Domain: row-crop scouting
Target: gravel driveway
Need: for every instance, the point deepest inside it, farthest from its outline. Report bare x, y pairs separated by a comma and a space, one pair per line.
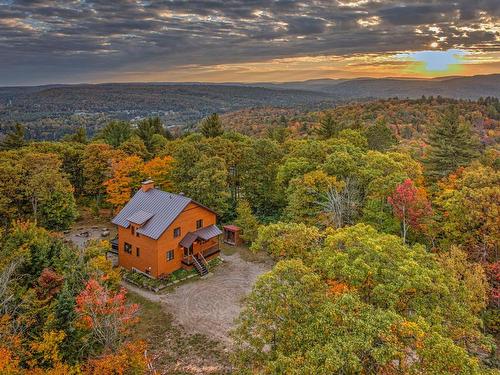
209, 305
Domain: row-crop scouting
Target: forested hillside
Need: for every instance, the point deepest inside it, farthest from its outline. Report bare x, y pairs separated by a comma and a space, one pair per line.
382, 219
52, 112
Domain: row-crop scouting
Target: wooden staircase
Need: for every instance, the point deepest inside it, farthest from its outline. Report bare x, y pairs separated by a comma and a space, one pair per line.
200, 264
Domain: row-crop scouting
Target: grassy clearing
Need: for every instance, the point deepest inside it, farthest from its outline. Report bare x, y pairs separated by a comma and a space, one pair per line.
172, 350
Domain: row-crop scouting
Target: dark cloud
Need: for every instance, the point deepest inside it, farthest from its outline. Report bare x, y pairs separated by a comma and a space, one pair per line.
72, 40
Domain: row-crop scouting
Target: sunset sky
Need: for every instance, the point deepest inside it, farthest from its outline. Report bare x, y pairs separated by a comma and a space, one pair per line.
244, 40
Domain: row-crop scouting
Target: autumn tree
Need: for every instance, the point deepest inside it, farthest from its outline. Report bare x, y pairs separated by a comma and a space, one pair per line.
287, 240
159, 169
452, 144
97, 168
211, 126
246, 221
105, 314
127, 176
467, 205
410, 206
303, 194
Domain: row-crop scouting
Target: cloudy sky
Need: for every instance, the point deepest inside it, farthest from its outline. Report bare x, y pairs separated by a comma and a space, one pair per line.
48, 41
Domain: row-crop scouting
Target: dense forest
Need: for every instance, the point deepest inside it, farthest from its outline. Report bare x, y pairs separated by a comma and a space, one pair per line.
382, 219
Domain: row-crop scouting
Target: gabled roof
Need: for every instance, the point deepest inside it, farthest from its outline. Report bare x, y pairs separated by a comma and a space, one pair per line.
204, 233
163, 208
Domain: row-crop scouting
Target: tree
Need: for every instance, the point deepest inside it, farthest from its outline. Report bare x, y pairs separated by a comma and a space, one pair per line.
303, 194
467, 205
246, 221
295, 322
150, 130
209, 184
328, 126
340, 204
14, 139
410, 206
127, 176
116, 132
105, 314
97, 163
79, 136
452, 144
288, 240
159, 170
135, 146
211, 126
49, 192
380, 137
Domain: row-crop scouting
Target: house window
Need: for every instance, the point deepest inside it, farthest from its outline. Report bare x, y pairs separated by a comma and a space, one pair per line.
199, 224
127, 248
170, 255
137, 251
177, 232
132, 229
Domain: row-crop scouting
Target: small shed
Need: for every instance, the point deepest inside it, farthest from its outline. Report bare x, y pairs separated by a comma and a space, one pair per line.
231, 235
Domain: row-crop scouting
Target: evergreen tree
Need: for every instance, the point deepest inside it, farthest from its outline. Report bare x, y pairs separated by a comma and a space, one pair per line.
452, 144
147, 129
15, 138
328, 127
380, 137
246, 221
115, 133
211, 126
80, 136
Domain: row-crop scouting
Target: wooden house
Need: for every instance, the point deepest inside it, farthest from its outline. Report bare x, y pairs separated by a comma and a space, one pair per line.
161, 232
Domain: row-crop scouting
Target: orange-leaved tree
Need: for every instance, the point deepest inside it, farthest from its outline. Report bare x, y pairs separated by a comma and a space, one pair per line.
105, 314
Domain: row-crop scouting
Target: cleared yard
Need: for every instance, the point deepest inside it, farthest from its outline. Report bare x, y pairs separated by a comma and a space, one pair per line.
209, 305
187, 327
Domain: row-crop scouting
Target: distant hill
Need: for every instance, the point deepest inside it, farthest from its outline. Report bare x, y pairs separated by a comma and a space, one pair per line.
53, 111
452, 87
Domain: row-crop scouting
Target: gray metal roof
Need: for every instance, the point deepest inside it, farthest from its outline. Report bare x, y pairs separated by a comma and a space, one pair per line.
140, 217
204, 233
163, 206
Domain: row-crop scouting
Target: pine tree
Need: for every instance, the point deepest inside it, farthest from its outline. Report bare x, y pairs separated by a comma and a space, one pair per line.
328, 127
452, 144
147, 129
211, 126
15, 138
246, 221
380, 137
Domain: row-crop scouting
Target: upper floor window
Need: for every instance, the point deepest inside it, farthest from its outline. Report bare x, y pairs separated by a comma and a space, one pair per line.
132, 229
137, 251
170, 255
127, 247
199, 223
177, 232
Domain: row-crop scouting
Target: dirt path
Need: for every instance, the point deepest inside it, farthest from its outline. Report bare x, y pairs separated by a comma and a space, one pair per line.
209, 306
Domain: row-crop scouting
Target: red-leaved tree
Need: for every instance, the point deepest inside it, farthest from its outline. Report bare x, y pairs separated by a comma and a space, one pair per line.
105, 314
410, 205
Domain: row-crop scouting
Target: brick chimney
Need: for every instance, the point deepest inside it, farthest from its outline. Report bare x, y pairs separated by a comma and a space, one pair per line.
147, 185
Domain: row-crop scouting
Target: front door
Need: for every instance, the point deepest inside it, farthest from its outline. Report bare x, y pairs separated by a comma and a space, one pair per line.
188, 251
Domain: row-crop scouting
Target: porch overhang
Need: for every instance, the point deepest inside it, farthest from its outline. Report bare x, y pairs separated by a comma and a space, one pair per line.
205, 234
